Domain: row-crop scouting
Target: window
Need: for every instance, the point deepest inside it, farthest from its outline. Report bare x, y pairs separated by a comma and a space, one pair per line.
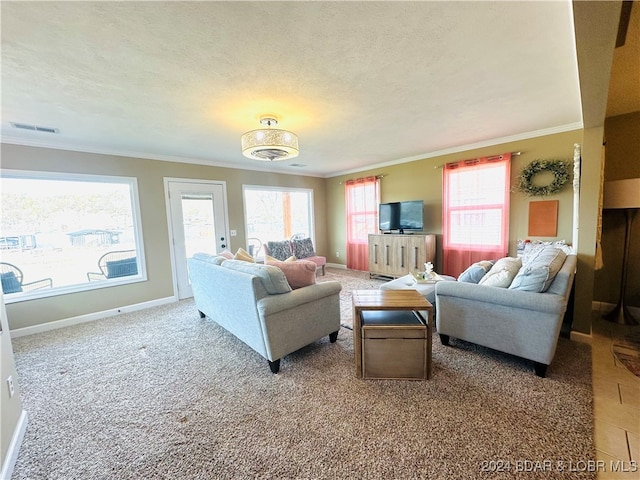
63, 233
362, 198
276, 213
475, 211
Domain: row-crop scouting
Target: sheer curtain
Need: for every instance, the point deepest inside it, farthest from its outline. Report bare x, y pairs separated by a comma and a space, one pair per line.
475, 217
362, 198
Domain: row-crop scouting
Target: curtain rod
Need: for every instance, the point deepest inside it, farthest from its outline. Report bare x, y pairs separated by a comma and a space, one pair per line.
349, 179
513, 154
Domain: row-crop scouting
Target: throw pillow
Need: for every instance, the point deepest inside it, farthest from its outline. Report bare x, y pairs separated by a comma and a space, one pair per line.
226, 254
540, 270
502, 273
475, 272
243, 255
269, 258
10, 283
272, 278
299, 274
303, 248
280, 250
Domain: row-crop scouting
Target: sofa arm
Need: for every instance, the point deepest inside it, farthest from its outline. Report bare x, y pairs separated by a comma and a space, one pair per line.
541, 302
276, 303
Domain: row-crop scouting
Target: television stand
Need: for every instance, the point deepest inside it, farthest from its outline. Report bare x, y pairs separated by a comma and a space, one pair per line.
395, 255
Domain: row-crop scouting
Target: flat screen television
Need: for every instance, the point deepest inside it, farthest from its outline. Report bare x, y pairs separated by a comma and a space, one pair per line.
401, 216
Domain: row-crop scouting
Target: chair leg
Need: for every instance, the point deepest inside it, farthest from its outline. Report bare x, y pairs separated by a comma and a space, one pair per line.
333, 337
274, 366
540, 368
202, 315
444, 339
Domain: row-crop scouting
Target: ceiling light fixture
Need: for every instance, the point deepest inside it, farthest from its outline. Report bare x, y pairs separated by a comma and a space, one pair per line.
269, 144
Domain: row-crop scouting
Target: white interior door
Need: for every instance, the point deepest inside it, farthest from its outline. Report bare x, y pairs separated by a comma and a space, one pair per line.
197, 223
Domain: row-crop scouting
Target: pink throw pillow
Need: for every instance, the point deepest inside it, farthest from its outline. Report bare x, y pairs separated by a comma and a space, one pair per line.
299, 274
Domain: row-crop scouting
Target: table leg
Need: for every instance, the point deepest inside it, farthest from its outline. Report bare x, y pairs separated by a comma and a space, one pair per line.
357, 340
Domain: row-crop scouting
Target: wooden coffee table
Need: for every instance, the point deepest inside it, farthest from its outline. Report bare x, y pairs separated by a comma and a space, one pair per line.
389, 300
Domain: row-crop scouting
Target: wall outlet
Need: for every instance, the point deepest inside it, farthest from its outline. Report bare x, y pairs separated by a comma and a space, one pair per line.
10, 385
337, 254
233, 233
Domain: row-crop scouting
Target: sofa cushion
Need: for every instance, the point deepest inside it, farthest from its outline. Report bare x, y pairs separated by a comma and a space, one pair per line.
303, 248
243, 255
301, 273
272, 278
502, 273
540, 270
475, 272
280, 250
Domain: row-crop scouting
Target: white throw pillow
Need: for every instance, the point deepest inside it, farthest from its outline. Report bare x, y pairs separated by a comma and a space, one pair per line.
502, 273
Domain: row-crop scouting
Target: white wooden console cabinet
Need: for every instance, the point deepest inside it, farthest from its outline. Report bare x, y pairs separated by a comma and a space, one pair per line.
396, 255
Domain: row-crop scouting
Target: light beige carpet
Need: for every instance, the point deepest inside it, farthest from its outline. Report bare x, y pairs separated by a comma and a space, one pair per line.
165, 394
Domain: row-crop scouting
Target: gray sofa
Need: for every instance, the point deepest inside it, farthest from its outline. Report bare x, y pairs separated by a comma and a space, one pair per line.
255, 303
522, 323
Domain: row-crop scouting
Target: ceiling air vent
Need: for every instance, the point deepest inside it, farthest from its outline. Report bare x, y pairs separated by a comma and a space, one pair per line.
297, 165
34, 128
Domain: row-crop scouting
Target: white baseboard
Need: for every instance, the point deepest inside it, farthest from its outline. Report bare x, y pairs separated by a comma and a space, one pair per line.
90, 317
14, 446
337, 265
580, 337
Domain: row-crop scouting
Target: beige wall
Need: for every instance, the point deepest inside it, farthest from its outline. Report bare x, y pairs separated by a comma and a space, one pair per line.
622, 161
416, 180
423, 180
10, 407
150, 175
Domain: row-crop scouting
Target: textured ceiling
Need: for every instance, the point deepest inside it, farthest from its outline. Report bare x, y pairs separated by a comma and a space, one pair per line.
361, 83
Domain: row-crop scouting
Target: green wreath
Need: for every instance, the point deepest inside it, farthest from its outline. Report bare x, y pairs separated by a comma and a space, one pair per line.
559, 168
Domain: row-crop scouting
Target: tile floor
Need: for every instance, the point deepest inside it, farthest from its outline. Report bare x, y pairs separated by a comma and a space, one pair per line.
616, 405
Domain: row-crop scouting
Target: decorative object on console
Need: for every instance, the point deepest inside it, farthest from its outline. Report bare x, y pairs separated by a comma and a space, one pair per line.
269, 144
560, 170
623, 195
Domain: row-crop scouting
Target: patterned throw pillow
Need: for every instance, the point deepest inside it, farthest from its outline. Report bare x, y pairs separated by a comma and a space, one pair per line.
279, 250
303, 248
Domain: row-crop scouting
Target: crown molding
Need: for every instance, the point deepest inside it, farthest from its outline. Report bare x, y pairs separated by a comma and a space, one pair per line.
463, 148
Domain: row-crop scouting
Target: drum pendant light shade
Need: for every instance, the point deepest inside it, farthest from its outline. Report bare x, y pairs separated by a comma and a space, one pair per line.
269, 144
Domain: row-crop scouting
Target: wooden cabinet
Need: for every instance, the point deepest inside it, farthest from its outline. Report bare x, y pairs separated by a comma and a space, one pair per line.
397, 255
